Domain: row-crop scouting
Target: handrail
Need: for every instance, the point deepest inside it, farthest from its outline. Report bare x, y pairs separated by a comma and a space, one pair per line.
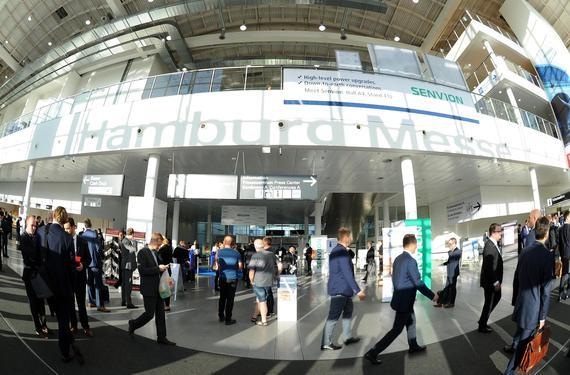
258, 77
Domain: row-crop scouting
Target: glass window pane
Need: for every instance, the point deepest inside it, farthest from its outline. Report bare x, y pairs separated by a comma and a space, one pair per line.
201, 81
147, 88
263, 79
228, 79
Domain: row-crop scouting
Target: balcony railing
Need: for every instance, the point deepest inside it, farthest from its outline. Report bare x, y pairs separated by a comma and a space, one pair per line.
488, 68
217, 80
462, 25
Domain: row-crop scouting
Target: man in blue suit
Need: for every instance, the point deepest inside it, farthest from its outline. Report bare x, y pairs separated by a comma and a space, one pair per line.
95, 270
341, 287
534, 271
407, 281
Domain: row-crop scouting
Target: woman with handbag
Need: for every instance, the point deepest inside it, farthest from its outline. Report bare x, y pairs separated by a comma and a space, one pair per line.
29, 246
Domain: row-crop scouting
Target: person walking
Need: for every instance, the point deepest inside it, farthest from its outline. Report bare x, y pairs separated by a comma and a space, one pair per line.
370, 261
95, 269
29, 246
60, 264
341, 288
262, 272
128, 247
229, 261
165, 258
82, 261
407, 281
308, 252
492, 275
534, 271
150, 271
447, 298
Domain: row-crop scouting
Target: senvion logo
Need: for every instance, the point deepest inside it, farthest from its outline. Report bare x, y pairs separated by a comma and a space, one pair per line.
437, 95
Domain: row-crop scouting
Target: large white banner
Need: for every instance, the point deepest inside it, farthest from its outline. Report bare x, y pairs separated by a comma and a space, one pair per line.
396, 99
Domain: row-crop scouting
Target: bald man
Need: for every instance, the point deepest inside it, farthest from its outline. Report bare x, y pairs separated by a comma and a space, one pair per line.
229, 261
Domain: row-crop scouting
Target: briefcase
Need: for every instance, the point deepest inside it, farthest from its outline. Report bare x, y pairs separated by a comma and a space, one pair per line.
535, 350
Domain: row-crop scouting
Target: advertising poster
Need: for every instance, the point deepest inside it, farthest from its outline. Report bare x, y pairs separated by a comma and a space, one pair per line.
319, 245
287, 299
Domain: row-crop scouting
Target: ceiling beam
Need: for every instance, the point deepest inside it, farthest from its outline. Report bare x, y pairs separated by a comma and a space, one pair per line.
440, 24
117, 8
9, 59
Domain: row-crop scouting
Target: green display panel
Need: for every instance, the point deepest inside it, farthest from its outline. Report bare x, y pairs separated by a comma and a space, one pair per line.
424, 246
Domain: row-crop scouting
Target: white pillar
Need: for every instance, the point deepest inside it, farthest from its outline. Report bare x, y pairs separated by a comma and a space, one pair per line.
175, 222
72, 81
376, 223
386, 219
25, 207
515, 106
409, 186
534, 184
151, 176
318, 217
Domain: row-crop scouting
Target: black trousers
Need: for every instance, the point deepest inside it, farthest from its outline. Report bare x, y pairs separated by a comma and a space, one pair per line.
226, 302
565, 279
270, 301
450, 291
5, 243
370, 265
153, 307
402, 319
492, 298
79, 293
126, 287
62, 308
37, 306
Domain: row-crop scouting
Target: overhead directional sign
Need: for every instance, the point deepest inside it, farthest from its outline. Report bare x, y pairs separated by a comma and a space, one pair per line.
278, 187
202, 186
557, 199
463, 209
104, 184
244, 215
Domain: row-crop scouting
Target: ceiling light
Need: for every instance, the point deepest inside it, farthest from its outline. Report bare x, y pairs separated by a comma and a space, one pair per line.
168, 37
266, 149
6, 77
322, 27
6, 41
223, 33
29, 18
415, 1
396, 38
163, 39
88, 22
343, 34
49, 44
150, 1
317, 66
243, 27
184, 69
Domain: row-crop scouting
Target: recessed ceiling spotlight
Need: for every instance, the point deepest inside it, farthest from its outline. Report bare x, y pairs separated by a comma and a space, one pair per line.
243, 27
168, 37
464, 18
322, 27
163, 39
49, 44
150, 1
6, 41
317, 66
184, 69
88, 22
396, 38
6, 77
415, 1
500, 91
29, 18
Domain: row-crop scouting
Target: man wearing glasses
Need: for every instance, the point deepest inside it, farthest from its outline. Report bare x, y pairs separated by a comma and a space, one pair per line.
491, 275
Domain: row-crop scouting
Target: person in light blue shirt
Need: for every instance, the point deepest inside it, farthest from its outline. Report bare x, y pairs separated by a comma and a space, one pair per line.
229, 261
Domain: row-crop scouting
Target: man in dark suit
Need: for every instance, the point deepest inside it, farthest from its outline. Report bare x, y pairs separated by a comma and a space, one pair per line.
407, 281
534, 271
6, 223
82, 261
491, 275
564, 250
450, 290
95, 269
128, 266
150, 271
58, 252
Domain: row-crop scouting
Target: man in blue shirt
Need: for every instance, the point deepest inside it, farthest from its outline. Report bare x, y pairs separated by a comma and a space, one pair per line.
407, 280
229, 261
341, 287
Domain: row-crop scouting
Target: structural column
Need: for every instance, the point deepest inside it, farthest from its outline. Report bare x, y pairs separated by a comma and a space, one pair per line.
409, 185
515, 106
306, 227
208, 229
386, 219
175, 222
534, 184
376, 223
25, 207
151, 176
319, 206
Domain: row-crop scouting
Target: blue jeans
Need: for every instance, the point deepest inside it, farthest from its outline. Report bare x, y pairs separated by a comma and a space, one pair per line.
261, 293
95, 282
339, 305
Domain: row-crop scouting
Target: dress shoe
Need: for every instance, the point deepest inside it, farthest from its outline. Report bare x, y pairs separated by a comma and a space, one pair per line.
131, 329
352, 340
331, 346
372, 358
103, 309
123, 304
68, 358
448, 306
131, 306
438, 305
46, 330
165, 341
92, 305
41, 334
486, 329
509, 349
417, 349
88, 332
77, 354
230, 322
221, 318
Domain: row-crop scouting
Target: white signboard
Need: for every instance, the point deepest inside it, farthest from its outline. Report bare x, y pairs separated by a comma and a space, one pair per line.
278, 187
463, 209
394, 99
202, 186
348, 60
287, 299
244, 215
91, 202
104, 184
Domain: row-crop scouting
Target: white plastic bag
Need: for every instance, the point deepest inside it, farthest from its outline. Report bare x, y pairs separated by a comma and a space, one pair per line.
164, 285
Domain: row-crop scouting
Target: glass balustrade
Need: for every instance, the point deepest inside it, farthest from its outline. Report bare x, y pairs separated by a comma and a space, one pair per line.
224, 79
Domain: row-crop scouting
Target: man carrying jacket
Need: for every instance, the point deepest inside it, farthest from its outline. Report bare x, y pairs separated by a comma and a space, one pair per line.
341, 287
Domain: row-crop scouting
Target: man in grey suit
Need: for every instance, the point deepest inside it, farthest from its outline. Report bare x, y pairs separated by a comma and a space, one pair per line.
407, 280
150, 271
534, 271
128, 265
